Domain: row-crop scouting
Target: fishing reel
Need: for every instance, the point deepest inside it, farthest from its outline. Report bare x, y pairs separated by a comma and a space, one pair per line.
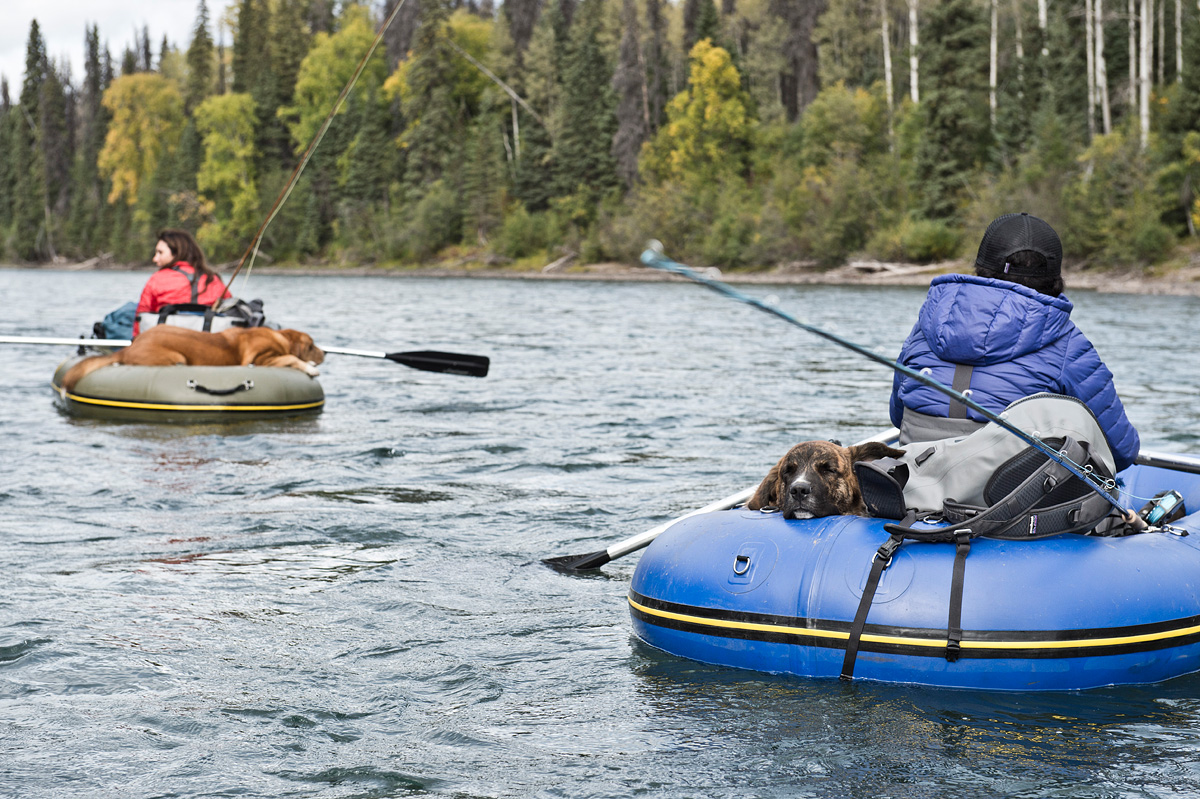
1162, 509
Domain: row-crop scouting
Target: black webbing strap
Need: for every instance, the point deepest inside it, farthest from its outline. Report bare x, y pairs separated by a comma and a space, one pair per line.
881, 561
962, 542
190, 279
962, 384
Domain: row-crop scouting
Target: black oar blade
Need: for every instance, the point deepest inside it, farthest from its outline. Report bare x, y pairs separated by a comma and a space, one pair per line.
569, 564
449, 362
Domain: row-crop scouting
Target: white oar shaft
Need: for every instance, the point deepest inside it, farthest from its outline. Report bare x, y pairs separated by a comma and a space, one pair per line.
639, 541
69, 342
733, 500
363, 353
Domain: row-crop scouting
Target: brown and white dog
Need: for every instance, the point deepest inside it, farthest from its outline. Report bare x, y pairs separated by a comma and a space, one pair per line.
816, 478
170, 345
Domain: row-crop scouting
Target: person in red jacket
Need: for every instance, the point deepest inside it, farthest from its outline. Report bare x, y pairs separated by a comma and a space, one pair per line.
183, 276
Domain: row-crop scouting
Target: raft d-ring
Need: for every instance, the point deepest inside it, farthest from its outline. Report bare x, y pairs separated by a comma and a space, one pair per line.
741, 565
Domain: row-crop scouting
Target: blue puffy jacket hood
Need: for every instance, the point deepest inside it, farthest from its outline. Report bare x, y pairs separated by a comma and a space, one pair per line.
979, 321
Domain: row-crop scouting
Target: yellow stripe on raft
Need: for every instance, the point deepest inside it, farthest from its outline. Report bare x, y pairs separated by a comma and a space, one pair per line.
147, 406
928, 642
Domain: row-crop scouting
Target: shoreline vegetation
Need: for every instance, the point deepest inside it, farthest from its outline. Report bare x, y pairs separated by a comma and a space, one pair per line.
498, 138
1181, 277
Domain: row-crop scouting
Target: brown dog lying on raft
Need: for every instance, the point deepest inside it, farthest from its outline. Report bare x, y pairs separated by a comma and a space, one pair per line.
816, 478
170, 345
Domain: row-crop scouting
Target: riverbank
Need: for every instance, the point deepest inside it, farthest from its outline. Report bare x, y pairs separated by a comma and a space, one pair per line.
1181, 277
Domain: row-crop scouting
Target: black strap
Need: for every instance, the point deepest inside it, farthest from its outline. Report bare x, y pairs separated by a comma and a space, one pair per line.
194, 280
962, 541
962, 384
190, 279
881, 561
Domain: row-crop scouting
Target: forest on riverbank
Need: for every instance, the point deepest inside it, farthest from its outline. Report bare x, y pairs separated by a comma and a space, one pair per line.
739, 132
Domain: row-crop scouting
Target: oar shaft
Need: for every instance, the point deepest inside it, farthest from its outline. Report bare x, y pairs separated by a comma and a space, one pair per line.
345, 351
114, 343
644, 539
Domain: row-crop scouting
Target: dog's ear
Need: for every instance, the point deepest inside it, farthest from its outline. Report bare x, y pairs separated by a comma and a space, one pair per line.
873, 450
767, 493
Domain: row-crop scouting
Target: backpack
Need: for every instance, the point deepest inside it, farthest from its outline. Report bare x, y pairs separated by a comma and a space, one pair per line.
1010, 489
232, 313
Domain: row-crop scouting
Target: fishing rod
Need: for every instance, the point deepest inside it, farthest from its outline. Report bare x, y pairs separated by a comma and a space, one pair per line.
654, 258
252, 250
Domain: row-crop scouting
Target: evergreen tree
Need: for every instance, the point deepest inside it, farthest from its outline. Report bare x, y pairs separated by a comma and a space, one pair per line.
88, 208
147, 63
57, 143
254, 74
129, 62
584, 166
8, 119
956, 131
522, 15
633, 110
533, 171
199, 61
427, 103
291, 40
798, 83
484, 184
657, 66
30, 201
700, 21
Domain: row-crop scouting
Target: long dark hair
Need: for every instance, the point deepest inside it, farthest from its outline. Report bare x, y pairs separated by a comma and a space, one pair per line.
185, 248
1027, 260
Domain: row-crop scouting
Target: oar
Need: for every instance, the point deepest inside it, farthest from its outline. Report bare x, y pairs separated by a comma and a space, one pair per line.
453, 363
570, 564
427, 360
113, 343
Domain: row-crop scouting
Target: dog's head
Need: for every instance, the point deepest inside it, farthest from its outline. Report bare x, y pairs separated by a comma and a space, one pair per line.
816, 478
301, 345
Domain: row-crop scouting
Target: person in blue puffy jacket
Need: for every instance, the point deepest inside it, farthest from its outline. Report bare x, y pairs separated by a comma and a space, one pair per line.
1004, 333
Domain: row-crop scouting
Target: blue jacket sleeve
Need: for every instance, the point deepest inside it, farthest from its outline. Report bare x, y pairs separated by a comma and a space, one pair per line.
1085, 376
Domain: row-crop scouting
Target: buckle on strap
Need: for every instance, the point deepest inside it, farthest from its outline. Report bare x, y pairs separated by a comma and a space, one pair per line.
886, 551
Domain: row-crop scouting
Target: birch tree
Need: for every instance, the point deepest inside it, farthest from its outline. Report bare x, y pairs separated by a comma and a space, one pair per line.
1131, 15
914, 64
1179, 41
1102, 70
1147, 47
884, 14
993, 58
1090, 49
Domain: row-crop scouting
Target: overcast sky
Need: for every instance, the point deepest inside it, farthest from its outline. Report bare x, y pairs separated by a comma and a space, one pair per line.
63, 22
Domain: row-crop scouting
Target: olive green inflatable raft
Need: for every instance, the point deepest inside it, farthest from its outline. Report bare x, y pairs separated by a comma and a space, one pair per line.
189, 394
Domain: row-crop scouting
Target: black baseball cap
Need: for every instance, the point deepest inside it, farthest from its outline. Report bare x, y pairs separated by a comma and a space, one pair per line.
1014, 233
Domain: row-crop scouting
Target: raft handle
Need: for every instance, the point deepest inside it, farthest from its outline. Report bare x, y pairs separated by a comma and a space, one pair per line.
245, 385
741, 565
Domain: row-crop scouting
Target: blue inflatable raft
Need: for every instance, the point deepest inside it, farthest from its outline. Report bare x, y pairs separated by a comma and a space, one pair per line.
752, 590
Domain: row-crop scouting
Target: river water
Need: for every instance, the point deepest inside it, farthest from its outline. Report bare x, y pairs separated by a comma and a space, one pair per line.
353, 605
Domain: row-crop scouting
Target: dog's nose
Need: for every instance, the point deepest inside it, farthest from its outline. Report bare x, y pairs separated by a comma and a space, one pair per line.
800, 490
